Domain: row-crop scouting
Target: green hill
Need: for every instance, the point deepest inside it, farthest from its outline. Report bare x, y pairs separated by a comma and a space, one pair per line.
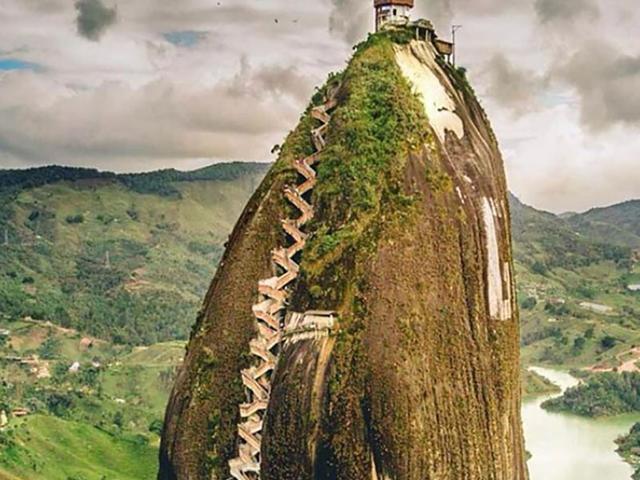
101, 421
162, 226
553, 242
122, 257
618, 224
97, 268
576, 308
49, 448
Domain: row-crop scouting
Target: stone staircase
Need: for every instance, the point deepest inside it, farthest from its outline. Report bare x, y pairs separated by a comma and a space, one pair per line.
270, 310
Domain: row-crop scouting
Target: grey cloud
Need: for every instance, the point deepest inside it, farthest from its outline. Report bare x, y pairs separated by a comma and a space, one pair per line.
563, 11
94, 17
139, 102
510, 86
443, 12
275, 80
607, 83
274, 17
351, 19
575, 172
164, 14
13, 51
137, 128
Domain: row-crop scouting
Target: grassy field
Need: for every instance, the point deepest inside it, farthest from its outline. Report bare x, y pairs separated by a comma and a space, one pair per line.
99, 423
48, 448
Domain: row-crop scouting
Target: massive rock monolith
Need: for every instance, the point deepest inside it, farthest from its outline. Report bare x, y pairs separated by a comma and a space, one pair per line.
409, 247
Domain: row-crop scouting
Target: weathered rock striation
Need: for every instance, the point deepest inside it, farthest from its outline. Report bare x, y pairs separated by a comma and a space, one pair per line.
406, 364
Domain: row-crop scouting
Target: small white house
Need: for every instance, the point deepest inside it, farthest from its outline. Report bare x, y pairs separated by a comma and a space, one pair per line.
75, 368
392, 12
4, 421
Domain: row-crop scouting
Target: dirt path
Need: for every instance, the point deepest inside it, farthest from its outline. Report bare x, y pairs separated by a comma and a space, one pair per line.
628, 365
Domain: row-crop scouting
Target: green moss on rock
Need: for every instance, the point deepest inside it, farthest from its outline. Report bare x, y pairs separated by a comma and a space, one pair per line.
377, 125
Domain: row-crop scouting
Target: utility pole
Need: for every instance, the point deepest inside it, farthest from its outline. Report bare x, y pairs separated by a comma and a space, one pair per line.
454, 29
107, 260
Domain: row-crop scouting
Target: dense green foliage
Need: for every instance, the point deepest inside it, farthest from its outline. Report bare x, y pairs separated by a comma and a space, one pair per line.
602, 394
100, 252
37, 177
360, 173
629, 449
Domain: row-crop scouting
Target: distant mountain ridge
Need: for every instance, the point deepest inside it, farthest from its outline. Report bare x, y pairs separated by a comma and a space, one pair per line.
62, 223
557, 241
618, 223
123, 257
147, 182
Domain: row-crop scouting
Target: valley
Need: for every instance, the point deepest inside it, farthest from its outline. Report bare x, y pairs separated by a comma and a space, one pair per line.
102, 279
80, 407
102, 254
93, 317
576, 309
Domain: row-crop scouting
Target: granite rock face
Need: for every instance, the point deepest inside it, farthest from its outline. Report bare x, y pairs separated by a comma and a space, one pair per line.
410, 246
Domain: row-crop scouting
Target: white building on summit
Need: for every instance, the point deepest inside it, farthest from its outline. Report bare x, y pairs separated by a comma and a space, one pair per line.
392, 12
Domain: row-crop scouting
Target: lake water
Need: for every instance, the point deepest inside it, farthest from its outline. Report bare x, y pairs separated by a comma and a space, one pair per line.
568, 447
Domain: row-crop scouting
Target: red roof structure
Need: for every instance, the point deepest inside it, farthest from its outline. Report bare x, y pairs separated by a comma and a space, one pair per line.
403, 3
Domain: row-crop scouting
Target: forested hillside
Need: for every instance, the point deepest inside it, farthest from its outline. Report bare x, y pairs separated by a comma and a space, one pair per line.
164, 233
546, 241
618, 224
122, 257
577, 305
101, 252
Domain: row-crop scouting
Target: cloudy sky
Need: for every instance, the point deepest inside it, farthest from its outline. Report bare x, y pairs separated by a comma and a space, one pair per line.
131, 85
